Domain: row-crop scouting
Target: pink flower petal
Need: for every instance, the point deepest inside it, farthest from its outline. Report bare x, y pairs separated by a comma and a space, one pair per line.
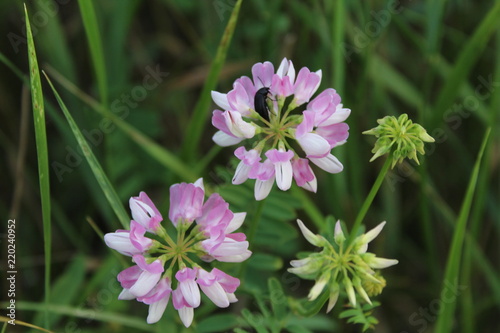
186, 202
262, 74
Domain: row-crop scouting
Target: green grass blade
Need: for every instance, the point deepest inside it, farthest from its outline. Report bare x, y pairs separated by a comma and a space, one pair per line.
42, 155
20, 323
434, 24
95, 43
466, 60
79, 312
445, 319
162, 155
67, 287
99, 174
11, 66
53, 45
338, 58
385, 75
201, 111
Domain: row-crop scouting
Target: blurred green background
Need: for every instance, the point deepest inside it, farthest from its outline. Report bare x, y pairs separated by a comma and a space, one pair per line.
437, 61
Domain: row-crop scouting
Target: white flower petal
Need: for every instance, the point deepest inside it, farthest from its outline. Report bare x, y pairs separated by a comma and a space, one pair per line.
314, 144
236, 222
370, 235
311, 186
216, 294
156, 310
224, 140
232, 298
199, 183
238, 126
380, 263
284, 175
191, 292
309, 235
126, 295
145, 283
338, 116
328, 163
241, 173
221, 100
334, 296
316, 290
186, 314
263, 188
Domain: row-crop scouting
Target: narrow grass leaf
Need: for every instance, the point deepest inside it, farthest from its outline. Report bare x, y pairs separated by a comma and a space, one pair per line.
159, 153
434, 23
466, 60
99, 174
5, 320
66, 288
445, 319
53, 43
95, 44
103, 316
42, 155
385, 75
11, 66
338, 58
201, 111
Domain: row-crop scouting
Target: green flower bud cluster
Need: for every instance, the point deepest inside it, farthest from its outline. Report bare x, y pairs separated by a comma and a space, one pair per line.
400, 136
342, 266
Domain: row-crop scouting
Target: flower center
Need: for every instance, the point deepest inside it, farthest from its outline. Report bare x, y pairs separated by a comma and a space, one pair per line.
276, 130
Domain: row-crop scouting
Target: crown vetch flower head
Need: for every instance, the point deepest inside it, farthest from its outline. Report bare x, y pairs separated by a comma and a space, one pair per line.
340, 265
400, 136
268, 112
165, 267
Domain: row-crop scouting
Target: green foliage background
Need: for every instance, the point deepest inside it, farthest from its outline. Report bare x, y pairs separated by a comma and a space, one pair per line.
438, 61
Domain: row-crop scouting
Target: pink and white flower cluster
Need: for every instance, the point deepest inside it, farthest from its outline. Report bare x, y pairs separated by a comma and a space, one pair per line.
317, 128
164, 267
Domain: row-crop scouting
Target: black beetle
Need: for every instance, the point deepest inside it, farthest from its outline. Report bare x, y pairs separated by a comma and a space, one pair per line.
260, 102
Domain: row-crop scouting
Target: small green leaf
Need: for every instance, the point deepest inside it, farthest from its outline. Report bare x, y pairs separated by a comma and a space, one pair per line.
297, 329
279, 302
217, 323
265, 262
308, 308
255, 320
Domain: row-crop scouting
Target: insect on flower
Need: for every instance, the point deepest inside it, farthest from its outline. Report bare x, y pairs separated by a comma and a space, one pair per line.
279, 139
260, 104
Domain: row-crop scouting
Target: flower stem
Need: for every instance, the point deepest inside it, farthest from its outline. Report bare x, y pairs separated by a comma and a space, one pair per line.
369, 199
